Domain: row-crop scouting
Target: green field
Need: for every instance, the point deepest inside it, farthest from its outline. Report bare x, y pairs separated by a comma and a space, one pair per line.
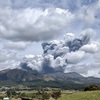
90, 95
72, 95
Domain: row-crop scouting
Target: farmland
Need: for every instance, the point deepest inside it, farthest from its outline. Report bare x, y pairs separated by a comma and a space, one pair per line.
90, 95
71, 95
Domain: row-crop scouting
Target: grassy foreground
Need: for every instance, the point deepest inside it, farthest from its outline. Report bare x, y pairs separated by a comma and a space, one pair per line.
90, 95
70, 95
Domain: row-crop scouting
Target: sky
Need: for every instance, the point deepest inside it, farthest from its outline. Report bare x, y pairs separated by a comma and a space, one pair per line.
59, 35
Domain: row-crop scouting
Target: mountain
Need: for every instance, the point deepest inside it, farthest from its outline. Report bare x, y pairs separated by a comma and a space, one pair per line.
72, 76
70, 80
19, 75
24, 75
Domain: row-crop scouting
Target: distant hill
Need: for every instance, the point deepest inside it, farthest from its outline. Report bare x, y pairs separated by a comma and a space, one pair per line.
71, 76
70, 80
19, 75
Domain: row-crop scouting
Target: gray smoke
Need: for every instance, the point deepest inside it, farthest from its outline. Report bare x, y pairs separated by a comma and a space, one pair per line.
71, 43
77, 43
57, 54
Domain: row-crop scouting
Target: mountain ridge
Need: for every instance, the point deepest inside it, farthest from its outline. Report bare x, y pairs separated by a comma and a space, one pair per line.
25, 75
34, 79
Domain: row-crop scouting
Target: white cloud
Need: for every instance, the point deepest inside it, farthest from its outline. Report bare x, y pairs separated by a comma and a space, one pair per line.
69, 37
16, 45
39, 20
89, 33
9, 64
6, 55
85, 69
75, 57
34, 62
33, 24
8, 60
90, 48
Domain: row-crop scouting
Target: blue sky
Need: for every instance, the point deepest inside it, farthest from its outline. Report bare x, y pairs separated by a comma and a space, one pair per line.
26, 24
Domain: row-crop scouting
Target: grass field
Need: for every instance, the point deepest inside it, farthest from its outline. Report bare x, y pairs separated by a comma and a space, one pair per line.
72, 95
90, 95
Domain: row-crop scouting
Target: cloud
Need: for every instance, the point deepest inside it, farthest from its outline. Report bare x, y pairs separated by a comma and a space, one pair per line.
75, 57
23, 22
6, 55
20, 21
75, 43
69, 37
97, 57
42, 20
66, 4
85, 69
58, 55
87, 14
40, 3
55, 48
9, 64
5, 4
16, 45
8, 60
43, 64
33, 62
33, 24
90, 48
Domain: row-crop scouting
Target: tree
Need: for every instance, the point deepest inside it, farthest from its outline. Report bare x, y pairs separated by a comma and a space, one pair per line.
45, 96
22, 94
92, 87
56, 94
10, 93
42, 94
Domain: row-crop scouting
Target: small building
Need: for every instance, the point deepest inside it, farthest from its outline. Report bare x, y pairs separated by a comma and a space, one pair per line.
6, 98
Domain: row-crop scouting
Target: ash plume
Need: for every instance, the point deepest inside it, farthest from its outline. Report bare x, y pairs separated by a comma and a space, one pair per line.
57, 54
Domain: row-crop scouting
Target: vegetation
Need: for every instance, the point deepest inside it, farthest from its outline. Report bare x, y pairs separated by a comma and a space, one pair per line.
33, 79
52, 84
89, 95
92, 87
55, 84
28, 95
45, 96
11, 92
1, 97
40, 95
56, 94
